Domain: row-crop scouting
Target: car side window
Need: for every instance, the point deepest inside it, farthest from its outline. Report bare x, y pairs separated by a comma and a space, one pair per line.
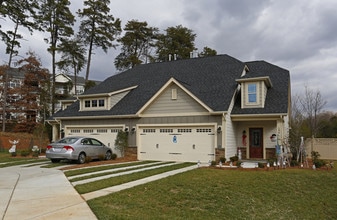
96, 142
85, 141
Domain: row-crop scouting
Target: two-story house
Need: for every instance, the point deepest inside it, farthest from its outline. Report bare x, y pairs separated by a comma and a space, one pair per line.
186, 110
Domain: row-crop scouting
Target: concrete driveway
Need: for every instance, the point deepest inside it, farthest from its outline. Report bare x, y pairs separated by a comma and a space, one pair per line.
46, 193
39, 193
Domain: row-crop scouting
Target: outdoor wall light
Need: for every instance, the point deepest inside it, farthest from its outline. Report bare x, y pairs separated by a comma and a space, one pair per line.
126, 129
219, 129
193, 146
133, 129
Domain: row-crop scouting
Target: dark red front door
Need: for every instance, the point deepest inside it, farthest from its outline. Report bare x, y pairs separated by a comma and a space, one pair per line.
256, 143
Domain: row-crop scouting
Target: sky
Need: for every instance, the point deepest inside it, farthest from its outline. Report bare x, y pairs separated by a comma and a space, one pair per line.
298, 35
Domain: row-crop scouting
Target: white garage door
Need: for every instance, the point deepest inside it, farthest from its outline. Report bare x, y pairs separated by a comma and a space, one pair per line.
106, 135
176, 143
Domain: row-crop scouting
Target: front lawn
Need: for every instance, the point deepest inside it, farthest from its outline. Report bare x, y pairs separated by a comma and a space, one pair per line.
208, 193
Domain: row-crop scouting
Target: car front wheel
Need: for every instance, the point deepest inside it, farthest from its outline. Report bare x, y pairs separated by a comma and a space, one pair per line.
81, 158
108, 155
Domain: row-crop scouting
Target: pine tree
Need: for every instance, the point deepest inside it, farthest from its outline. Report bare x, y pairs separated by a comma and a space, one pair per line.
136, 45
178, 41
55, 18
98, 28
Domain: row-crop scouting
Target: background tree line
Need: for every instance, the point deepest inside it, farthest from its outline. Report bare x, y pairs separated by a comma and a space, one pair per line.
72, 47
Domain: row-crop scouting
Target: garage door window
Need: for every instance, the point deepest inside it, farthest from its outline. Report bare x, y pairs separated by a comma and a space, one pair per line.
102, 130
184, 130
149, 130
75, 131
204, 130
166, 130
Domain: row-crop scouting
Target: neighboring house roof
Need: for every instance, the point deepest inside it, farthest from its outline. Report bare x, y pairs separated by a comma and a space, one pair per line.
211, 79
15, 73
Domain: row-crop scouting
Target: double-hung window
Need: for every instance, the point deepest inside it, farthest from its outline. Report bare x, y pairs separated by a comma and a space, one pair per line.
252, 93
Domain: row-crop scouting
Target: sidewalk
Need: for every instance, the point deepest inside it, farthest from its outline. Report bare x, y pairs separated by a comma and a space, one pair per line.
39, 193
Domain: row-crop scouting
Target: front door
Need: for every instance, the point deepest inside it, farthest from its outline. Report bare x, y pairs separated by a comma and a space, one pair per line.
256, 143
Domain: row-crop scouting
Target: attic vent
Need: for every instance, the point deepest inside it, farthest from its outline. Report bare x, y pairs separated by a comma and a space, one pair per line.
174, 94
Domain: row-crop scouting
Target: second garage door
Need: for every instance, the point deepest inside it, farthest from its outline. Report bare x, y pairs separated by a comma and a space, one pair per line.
107, 135
190, 144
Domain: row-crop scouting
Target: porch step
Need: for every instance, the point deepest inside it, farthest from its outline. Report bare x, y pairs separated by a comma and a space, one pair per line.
249, 164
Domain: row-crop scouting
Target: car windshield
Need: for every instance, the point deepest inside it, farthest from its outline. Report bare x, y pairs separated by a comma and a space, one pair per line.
69, 140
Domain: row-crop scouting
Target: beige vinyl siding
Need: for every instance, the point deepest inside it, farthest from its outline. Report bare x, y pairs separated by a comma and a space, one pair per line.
182, 103
261, 93
116, 98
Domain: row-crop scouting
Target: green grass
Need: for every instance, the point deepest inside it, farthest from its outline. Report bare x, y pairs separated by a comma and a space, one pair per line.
7, 160
100, 168
226, 194
101, 184
113, 172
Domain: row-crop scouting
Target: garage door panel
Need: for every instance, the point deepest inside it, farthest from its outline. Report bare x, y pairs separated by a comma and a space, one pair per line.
177, 144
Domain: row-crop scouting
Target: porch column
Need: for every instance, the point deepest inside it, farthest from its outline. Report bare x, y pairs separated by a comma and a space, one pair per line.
55, 132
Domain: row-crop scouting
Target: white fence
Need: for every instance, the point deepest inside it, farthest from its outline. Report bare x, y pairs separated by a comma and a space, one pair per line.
326, 147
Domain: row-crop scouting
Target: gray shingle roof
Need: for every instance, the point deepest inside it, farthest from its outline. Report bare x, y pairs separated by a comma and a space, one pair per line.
277, 95
211, 79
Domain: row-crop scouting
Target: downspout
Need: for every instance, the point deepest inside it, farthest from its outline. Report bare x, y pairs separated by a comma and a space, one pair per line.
223, 136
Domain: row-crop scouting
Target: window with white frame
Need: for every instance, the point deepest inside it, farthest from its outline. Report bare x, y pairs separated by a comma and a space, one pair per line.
252, 93
94, 104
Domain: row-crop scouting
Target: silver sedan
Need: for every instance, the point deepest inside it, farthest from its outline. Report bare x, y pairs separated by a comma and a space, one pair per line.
79, 149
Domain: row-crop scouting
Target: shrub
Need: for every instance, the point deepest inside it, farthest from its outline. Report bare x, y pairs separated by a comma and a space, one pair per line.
13, 154
87, 159
36, 153
213, 163
234, 158
260, 165
315, 155
113, 156
319, 163
24, 153
222, 159
294, 163
238, 164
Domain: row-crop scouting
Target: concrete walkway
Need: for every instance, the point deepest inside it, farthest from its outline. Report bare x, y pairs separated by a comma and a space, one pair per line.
30, 193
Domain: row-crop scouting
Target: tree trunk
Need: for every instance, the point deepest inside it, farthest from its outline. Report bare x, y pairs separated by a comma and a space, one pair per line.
88, 64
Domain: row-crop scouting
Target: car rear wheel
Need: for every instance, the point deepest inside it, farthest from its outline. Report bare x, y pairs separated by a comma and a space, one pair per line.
81, 158
108, 155
55, 160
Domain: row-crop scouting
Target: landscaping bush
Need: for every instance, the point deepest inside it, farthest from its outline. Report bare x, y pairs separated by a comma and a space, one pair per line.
213, 163
234, 158
294, 163
222, 159
319, 163
315, 159
113, 156
260, 165
24, 153
87, 159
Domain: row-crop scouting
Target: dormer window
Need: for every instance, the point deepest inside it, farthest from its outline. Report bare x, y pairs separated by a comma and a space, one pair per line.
252, 93
94, 103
